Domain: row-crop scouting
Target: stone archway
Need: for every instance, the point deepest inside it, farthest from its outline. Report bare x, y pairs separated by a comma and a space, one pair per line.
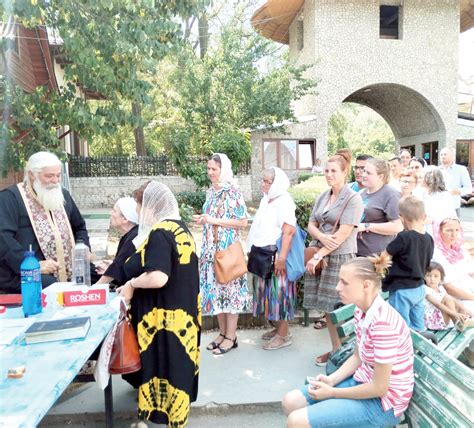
410, 115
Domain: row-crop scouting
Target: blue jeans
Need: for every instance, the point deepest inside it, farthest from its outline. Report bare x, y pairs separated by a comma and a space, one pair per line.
410, 304
345, 412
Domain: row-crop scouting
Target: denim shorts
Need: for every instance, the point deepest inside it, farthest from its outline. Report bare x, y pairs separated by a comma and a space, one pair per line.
347, 413
410, 304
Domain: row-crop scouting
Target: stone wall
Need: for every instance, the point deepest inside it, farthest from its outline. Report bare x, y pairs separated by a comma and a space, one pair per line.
411, 82
102, 192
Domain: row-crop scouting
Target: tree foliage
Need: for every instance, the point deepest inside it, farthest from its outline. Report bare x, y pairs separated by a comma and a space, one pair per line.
222, 96
111, 47
361, 130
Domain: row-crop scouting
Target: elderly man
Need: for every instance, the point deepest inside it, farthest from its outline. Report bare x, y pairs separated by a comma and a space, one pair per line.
39, 212
457, 179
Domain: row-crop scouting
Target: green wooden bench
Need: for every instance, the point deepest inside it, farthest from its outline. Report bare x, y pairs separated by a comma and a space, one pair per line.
444, 387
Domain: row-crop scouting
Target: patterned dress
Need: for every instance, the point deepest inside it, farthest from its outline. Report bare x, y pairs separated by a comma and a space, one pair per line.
232, 297
433, 316
168, 325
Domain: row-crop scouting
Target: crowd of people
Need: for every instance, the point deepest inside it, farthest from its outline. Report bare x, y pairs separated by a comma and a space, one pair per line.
394, 228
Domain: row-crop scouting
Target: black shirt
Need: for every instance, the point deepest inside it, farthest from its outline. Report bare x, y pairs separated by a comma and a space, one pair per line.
16, 235
124, 250
411, 255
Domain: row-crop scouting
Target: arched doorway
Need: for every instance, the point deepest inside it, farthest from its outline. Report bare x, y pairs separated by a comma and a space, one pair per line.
414, 121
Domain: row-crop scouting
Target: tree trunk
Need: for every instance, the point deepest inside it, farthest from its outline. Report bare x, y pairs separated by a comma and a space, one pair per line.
138, 131
203, 35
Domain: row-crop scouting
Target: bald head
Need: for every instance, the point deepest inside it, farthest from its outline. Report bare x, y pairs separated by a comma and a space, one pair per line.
447, 156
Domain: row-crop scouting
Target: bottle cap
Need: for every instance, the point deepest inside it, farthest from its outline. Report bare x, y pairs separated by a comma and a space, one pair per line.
29, 254
3, 309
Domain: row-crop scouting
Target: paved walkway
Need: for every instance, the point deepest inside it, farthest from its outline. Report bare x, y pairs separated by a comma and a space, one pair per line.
241, 388
247, 379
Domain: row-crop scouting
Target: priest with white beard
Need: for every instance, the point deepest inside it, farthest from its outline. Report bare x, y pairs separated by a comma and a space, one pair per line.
39, 212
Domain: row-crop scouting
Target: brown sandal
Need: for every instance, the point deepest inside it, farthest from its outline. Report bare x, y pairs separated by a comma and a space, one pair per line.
320, 324
322, 359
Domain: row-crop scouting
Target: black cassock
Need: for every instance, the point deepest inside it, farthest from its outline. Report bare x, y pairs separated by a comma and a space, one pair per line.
16, 235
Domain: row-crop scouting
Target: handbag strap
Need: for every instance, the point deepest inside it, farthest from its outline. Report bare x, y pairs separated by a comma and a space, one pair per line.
215, 226
340, 213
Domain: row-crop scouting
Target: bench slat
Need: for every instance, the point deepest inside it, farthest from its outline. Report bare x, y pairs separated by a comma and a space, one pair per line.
447, 386
435, 407
342, 314
418, 417
346, 329
452, 366
460, 343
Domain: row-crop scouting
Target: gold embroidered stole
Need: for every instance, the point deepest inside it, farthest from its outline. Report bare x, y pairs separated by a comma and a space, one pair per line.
52, 230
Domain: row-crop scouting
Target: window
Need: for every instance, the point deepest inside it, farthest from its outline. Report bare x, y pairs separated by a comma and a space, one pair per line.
288, 154
389, 22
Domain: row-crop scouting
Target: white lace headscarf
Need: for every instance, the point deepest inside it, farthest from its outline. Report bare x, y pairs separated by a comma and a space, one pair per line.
227, 176
279, 187
158, 204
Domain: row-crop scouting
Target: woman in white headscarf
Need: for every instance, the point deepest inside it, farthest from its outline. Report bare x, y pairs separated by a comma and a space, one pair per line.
163, 291
275, 296
123, 218
224, 212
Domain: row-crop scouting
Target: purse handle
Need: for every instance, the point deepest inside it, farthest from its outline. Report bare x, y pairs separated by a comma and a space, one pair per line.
215, 227
340, 213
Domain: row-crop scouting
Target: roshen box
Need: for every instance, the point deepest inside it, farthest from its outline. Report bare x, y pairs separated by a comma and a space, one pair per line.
68, 294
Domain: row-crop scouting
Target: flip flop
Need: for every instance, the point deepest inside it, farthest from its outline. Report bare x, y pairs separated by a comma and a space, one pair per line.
322, 359
320, 324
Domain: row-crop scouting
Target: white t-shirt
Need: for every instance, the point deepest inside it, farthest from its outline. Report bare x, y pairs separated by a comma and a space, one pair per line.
438, 206
281, 210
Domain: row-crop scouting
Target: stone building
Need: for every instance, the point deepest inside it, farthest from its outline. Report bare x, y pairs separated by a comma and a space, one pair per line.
398, 57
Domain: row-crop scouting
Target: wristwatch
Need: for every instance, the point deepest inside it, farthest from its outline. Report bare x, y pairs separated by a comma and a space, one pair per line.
317, 257
366, 226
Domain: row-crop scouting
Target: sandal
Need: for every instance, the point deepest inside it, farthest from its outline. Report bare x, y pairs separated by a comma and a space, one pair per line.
214, 345
322, 359
320, 324
269, 335
273, 344
221, 350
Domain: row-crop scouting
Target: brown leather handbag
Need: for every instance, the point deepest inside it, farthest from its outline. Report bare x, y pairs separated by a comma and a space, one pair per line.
125, 356
229, 264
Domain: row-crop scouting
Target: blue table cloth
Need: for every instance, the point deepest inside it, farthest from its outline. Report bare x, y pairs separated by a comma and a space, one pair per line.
50, 367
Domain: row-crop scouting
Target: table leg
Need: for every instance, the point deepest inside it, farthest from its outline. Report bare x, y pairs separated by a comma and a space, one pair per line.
109, 405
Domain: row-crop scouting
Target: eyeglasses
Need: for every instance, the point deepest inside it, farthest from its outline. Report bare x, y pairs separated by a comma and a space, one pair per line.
407, 181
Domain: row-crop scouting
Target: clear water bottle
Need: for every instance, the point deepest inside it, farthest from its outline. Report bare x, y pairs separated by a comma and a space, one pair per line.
30, 273
81, 266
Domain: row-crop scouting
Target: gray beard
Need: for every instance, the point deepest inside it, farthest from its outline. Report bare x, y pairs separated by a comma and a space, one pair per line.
50, 197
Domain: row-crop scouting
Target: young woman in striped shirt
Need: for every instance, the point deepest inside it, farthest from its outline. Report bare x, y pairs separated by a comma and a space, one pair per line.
374, 386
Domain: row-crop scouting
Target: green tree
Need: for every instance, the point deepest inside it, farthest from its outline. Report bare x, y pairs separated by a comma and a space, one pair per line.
222, 95
112, 45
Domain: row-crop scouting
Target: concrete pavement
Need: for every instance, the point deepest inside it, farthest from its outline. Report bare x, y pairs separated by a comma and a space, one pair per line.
246, 381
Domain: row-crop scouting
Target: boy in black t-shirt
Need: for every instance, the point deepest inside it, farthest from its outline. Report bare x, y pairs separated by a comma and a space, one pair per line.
411, 252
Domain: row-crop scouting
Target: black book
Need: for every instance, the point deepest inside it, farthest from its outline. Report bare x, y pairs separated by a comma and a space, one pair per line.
61, 329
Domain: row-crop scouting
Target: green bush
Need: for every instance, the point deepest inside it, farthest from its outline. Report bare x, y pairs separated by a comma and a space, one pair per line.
303, 176
186, 212
194, 200
304, 194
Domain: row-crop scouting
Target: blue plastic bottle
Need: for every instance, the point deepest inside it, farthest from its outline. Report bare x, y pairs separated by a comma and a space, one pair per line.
30, 273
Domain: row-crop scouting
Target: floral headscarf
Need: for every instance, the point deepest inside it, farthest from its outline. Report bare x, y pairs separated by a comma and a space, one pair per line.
453, 253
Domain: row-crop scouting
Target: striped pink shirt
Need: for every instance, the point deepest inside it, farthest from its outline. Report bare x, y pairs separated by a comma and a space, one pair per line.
386, 340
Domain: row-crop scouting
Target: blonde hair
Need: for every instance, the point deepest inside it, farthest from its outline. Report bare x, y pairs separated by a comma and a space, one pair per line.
372, 268
411, 208
381, 167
